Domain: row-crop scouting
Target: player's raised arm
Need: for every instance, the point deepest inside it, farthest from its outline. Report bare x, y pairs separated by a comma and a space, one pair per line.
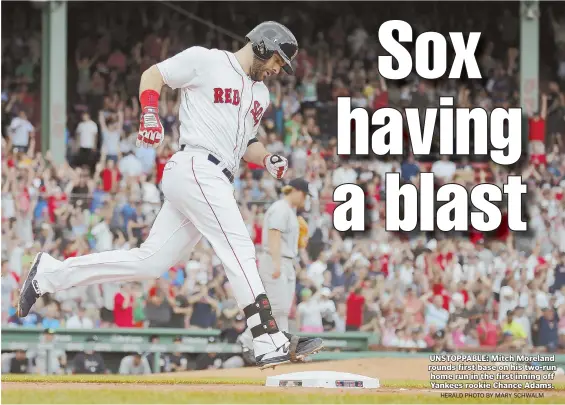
178, 71
150, 127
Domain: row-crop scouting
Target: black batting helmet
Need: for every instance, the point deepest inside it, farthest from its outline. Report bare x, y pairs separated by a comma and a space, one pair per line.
270, 37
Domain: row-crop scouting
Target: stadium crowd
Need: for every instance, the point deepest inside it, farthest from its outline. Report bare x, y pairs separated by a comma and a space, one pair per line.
431, 291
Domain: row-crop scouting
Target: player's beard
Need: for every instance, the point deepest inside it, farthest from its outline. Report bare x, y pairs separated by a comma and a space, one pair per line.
257, 70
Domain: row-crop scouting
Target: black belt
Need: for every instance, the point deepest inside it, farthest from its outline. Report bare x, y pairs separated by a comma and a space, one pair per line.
287, 257
216, 161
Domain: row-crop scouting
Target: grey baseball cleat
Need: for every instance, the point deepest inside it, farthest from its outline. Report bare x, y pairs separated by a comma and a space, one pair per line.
30, 291
302, 347
297, 349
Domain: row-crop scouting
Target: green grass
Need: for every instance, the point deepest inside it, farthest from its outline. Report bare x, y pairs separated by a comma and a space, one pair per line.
129, 379
125, 395
171, 380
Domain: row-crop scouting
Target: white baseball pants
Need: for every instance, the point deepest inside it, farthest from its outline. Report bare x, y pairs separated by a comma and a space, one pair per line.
199, 202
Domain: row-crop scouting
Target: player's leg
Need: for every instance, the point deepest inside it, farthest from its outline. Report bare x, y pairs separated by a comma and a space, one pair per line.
171, 236
207, 199
276, 291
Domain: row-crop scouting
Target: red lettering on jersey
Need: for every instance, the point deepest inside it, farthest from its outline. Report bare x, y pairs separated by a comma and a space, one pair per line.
226, 96
257, 112
218, 95
227, 93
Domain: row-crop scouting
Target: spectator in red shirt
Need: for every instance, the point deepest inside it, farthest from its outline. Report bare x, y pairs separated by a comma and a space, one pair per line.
123, 307
258, 231
355, 305
380, 96
110, 177
487, 331
162, 158
536, 123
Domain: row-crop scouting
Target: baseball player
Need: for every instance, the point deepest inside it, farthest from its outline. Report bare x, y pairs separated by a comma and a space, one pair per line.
281, 241
223, 100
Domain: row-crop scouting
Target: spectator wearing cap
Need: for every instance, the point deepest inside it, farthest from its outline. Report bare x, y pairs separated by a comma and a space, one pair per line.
546, 330
327, 309
177, 360
46, 361
88, 361
134, 364
510, 327
158, 310
308, 314
163, 360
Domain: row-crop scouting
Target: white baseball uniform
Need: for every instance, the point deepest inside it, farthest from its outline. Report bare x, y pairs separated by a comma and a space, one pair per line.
220, 111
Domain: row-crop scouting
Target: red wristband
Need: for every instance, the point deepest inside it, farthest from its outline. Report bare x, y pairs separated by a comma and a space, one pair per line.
149, 98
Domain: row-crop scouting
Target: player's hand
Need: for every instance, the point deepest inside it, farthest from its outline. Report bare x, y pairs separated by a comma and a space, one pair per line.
276, 274
277, 165
150, 129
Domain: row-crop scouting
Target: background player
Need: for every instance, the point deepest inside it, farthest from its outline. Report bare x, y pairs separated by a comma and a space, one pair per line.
281, 241
223, 100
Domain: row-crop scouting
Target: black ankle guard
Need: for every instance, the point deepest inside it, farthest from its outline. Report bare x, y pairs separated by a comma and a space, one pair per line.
261, 306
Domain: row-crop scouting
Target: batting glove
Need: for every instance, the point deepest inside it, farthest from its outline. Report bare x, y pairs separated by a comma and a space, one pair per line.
276, 165
150, 129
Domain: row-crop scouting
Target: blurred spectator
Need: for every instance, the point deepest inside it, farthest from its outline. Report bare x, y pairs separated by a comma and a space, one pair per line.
79, 320
123, 307
87, 133
21, 132
355, 305
53, 361
514, 334
206, 361
177, 361
19, 364
163, 360
205, 307
89, 361
134, 364
158, 311
309, 313
546, 328
436, 315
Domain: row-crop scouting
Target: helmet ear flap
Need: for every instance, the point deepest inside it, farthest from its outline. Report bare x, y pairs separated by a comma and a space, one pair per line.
261, 51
